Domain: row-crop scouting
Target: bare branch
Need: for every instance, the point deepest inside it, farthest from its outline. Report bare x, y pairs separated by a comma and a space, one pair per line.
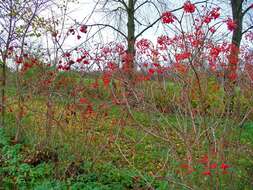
158, 19
141, 5
246, 10
248, 29
110, 26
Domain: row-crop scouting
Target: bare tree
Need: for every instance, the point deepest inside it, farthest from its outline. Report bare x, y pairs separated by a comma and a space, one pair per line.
16, 20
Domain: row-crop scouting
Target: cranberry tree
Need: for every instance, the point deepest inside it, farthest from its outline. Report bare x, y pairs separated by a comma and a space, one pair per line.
131, 20
193, 56
16, 21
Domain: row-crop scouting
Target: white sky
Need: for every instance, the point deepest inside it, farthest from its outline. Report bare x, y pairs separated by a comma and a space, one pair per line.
82, 10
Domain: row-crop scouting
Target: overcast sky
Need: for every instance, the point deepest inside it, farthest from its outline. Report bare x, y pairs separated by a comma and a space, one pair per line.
82, 12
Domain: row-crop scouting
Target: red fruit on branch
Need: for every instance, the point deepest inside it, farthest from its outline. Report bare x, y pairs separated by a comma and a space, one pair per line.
182, 56
89, 109
207, 19
72, 31
151, 71
168, 17
83, 29
67, 54
212, 29
189, 7
106, 79
224, 166
215, 13
207, 173
85, 62
213, 166
19, 60
231, 25
54, 34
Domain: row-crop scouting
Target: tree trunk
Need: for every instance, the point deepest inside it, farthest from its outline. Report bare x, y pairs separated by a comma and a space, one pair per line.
3, 78
230, 76
130, 40
237, 33
129, 65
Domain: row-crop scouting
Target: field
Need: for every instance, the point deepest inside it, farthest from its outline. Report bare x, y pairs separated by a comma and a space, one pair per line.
110, 147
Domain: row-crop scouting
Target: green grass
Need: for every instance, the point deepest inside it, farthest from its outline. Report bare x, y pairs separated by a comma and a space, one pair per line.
111, 151
18, 175
113, 173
